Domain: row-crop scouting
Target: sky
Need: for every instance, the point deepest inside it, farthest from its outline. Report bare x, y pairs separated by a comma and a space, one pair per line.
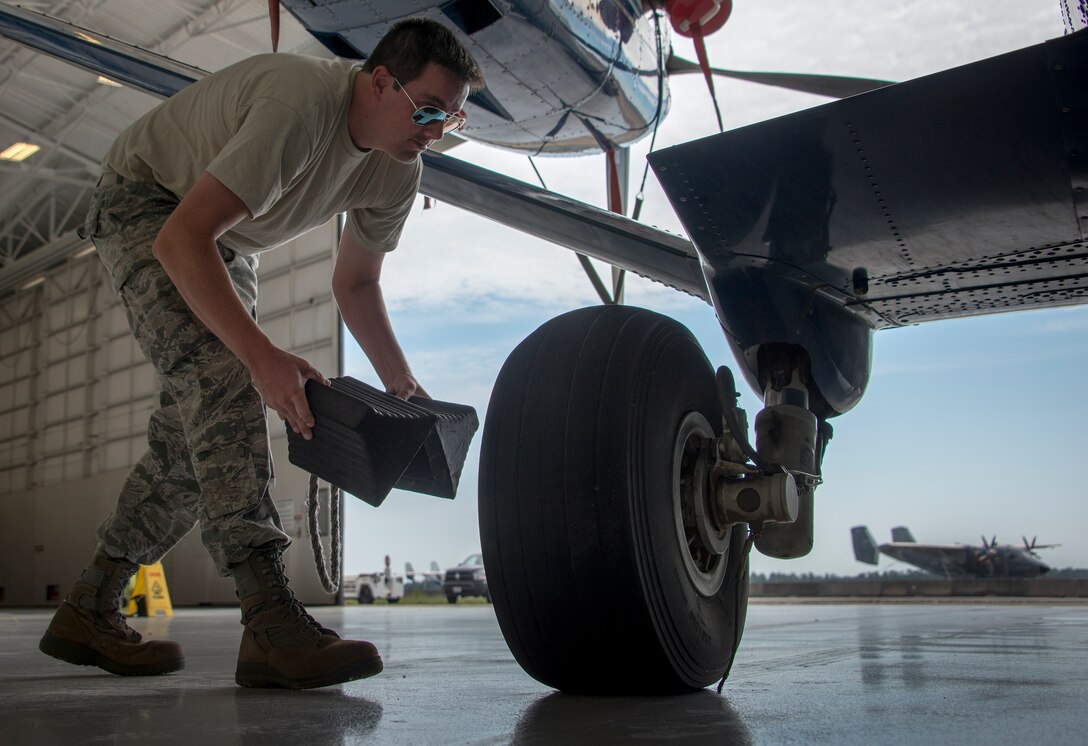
968, 427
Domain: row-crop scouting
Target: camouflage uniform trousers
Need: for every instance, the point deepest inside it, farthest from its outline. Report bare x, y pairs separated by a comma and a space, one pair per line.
208, 457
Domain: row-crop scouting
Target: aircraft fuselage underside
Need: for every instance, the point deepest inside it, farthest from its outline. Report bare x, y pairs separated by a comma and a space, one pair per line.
562, 77
952, 195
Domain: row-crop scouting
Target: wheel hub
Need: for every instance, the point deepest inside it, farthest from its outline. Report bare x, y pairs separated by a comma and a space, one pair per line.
702, 543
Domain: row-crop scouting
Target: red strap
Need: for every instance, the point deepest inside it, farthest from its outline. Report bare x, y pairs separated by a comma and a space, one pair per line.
274, 18
615, 200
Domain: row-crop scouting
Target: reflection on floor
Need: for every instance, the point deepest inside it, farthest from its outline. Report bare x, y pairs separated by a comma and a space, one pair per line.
807, 673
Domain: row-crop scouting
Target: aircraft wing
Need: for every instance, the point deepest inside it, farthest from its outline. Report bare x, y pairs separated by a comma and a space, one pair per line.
956, 194
935, 558
650, 252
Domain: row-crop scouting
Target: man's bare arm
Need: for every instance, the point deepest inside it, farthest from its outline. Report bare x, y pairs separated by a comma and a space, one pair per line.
357, 288
187, 251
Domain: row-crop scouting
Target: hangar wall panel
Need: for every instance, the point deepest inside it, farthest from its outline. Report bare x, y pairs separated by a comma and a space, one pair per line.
75, 397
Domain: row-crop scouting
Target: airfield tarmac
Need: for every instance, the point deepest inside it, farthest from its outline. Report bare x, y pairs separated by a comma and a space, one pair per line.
992, 672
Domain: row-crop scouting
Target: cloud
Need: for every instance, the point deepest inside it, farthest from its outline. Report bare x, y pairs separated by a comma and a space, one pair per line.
1064, 321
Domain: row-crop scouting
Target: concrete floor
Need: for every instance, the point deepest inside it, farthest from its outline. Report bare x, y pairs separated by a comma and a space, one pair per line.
930, 673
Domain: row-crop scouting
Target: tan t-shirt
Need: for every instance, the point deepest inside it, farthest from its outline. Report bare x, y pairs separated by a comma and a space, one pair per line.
273, 129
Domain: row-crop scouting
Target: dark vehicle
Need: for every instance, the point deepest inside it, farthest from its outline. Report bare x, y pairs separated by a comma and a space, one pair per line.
467, 579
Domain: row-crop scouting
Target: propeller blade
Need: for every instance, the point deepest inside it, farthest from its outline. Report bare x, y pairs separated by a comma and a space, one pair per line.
833, 86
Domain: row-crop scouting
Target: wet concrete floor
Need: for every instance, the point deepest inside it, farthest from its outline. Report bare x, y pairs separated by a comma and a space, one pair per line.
910, 673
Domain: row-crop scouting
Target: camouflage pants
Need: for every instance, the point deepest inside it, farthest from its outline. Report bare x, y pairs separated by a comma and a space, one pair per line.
208, 457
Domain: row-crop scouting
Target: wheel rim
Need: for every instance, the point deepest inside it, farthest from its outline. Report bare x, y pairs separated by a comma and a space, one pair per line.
702, 546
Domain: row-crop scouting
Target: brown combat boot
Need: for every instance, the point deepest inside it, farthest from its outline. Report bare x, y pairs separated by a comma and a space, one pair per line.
282, 645
90, 630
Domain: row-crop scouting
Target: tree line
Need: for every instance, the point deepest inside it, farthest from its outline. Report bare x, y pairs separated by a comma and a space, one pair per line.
1074, 573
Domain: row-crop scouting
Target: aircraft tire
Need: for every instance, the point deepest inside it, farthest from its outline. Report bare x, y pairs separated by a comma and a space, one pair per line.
583, 542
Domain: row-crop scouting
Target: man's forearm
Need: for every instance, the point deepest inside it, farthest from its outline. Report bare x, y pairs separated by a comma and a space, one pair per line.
186, 248
365, 315
201, 278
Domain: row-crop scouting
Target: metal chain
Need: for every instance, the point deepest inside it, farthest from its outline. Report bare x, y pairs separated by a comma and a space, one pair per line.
330, 584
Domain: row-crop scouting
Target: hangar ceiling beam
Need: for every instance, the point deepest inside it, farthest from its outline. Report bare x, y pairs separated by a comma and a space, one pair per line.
91, 164
24, 198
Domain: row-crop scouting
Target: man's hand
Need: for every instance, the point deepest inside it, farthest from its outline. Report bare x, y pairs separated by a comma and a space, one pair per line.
280, 378
405, 386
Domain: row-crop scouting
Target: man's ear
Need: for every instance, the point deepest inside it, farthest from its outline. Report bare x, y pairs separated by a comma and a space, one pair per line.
381, 80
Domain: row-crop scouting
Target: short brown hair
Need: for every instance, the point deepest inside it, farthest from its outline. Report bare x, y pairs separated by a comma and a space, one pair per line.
412, 44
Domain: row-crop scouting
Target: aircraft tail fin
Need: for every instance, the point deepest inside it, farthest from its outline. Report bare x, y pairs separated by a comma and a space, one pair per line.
864, 545
408, 568
902, 533
435, 567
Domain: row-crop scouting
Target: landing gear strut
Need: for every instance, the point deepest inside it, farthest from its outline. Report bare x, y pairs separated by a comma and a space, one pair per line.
789, 435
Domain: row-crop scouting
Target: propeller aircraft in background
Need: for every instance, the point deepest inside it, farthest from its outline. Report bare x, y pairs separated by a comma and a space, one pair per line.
424, 580
619, 491
989, 560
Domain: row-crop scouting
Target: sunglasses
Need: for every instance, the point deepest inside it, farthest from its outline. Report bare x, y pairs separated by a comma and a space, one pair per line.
424, 115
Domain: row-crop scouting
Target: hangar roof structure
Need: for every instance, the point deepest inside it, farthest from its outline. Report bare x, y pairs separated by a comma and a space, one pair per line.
72, 115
